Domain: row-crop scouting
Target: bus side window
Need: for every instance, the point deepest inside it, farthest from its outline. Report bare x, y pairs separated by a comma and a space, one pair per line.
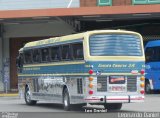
28, 56
55, 53
66, 54
45, 55
77, 51
151, 54
36, 56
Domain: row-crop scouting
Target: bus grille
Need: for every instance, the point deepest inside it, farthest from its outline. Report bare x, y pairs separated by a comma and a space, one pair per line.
131, 83
79, 86
102, 81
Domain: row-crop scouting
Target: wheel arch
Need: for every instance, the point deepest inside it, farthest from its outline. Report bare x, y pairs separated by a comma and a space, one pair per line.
27, 86
148, 86
65, 87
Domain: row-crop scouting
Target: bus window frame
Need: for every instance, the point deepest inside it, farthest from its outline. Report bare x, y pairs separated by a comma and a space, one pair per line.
59, 58
73, 51
69, 54
31, 61
40, 56
49, 56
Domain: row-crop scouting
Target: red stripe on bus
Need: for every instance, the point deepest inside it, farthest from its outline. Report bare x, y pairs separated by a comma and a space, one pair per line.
119, 99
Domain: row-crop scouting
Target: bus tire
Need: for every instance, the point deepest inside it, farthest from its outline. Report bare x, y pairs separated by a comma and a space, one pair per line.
66, 100
113, 106
147, 87
78, 106
28, 97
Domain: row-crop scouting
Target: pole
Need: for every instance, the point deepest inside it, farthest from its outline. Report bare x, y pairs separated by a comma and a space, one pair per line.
3, 64
2, 84
6, 87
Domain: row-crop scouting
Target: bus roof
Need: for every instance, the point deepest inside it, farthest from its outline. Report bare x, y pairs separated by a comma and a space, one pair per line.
20, 50
69, 37
153, 43
54, 40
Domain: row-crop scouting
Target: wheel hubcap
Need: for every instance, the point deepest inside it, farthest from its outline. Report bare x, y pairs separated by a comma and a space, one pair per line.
28, 97
66, 100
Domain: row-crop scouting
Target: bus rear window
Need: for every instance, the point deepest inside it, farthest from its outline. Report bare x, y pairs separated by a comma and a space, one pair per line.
115, 45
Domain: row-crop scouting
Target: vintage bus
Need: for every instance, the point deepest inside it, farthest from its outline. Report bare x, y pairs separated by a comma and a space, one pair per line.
101, 67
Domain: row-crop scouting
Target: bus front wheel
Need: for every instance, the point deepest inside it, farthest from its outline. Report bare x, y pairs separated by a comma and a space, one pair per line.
113, 106
66, 100
28, 97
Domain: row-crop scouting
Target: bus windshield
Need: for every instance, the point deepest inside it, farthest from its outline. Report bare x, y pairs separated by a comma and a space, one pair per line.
115, 45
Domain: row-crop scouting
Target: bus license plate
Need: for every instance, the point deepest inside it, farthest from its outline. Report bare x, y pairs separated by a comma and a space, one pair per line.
117, 88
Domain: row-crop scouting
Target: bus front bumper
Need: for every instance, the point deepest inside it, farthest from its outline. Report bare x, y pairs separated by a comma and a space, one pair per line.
114, 99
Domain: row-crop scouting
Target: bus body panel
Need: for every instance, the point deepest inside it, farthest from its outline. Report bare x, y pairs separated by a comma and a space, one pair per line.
50, 86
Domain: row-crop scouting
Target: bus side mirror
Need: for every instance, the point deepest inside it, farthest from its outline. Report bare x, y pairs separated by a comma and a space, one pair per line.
19, 62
